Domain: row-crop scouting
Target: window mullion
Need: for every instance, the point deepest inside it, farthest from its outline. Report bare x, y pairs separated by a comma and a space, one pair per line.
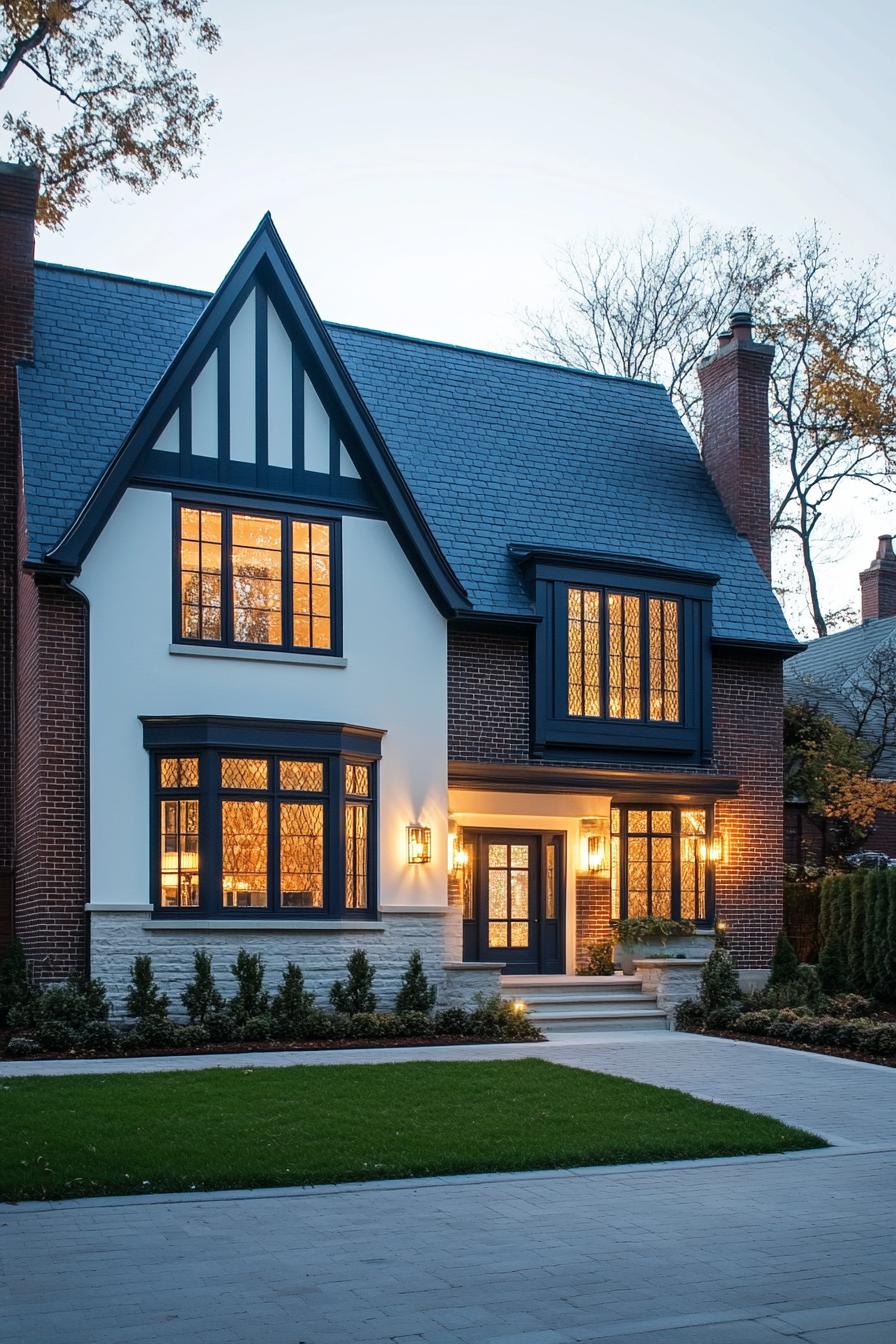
274, 864
334, 820
286, 583
676, 863
210, 900
226, 578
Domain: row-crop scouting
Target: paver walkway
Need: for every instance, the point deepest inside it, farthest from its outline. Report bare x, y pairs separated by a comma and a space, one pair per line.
736, 1252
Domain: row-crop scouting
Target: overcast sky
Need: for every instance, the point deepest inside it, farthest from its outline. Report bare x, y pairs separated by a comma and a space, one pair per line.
423, 159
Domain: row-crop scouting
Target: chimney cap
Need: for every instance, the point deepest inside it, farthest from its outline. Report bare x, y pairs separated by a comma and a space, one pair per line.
885, 554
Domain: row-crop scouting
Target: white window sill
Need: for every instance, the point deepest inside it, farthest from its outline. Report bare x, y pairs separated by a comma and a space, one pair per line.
265, 925
257, 655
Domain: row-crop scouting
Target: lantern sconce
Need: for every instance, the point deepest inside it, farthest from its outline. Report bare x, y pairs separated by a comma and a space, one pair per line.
715, 850
458, 856
419, 844
597, 853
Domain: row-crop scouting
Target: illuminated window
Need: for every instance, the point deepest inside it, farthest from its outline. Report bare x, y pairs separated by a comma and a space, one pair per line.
623, 656
179, 840
663, 694
200, 574
311, 585
256, 579
264, 831
584, 651
658, 863
357, 788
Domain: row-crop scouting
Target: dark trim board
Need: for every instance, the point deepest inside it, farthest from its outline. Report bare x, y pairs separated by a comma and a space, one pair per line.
674, 786
224, 730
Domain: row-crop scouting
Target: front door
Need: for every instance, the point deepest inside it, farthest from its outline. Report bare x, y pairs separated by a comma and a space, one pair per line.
513, 900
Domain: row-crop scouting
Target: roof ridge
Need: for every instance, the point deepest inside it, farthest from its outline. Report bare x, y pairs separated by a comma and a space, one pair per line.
124, 279
493, 354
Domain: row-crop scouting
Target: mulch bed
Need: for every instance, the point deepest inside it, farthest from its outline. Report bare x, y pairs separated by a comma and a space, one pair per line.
886, 1062
252, 1047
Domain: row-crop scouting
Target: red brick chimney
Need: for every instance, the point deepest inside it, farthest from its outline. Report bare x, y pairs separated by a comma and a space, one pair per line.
18, 200
735, 430
879, 583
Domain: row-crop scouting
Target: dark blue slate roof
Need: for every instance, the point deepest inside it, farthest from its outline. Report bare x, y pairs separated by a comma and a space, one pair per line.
496, 450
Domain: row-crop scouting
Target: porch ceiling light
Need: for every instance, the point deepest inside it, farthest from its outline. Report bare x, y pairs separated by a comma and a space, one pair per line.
419, 844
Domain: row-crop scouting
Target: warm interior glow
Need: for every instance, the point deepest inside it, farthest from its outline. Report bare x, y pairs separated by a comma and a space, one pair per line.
714, 850
597, 853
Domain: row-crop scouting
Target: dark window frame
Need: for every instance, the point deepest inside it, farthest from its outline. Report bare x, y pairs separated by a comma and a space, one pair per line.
675, 900
285, 517
555, 732
211, 738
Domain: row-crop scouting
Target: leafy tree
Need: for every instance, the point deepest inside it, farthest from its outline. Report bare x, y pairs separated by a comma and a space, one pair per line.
355, 995
416, 995
201, 998
651, 307
133, 112
785, 963
145, 1001
250, 999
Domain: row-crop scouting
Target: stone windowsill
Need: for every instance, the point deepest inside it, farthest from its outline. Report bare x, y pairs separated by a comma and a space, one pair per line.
257, 655
264, 925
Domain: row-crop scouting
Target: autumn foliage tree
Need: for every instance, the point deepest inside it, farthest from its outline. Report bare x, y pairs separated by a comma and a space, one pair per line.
126, 110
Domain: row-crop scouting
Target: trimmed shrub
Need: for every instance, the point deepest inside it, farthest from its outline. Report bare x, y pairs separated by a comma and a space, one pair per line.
292, 1004
250, 999
885, 1040
719, 985
849, 1005
756, 1023
257, 1028
16, 990
188, 1038
416, 995
496, 1020
888, 958
855, 946
201, 998
452, 1022
355, 995
784, 965
600, 960
100, 1037
415, 1024
22, 1047
832, 970
55, 1035
220, 1027
155, 1032
723, 1019
689, 1016
145, 1000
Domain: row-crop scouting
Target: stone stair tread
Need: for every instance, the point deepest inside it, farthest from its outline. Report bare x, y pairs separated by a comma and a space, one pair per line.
570, 981
596, 997
594, 1016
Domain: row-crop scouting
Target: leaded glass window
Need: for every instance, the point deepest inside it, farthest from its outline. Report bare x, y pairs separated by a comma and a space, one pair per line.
624, 656
357, 789
658, 863
663, 661
584, 651
302, 855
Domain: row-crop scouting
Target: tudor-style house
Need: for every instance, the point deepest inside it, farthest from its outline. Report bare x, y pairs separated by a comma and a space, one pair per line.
317, 637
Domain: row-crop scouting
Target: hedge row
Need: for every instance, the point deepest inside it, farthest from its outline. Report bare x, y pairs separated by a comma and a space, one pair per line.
857, 933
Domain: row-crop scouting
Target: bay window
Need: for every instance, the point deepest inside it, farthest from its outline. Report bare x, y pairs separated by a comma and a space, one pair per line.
256, 579
658, 863
246, 827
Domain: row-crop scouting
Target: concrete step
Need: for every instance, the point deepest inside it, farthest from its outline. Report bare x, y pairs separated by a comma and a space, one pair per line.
556, 1023
541, 998
627, 983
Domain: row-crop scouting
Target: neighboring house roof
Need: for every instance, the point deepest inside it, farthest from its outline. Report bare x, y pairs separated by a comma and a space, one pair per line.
496, 450
829, 669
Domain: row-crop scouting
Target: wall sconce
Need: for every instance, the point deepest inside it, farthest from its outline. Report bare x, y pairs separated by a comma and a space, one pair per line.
594, 845
419, 844
714, 850
458, 855
597, 853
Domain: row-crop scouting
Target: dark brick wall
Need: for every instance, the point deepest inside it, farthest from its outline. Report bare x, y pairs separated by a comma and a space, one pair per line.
51, 804
736, 438
18, 197
592, 912
488, 697
748, 711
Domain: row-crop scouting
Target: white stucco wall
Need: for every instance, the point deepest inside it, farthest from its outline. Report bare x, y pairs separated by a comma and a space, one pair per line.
394, 679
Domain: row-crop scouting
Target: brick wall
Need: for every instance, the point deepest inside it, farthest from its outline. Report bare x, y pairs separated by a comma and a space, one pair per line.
592, 912
748, 709
51, 811
488, 697
18, 196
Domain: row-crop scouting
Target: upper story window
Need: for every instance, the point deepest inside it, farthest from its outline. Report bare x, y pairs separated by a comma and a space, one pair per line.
261, 580
259, 832
622, 656
608, 672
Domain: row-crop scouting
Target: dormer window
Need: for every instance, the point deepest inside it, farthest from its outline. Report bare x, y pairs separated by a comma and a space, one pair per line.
622, 660
606, 636
256, 579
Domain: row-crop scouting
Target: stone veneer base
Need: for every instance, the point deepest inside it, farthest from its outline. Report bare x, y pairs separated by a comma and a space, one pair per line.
118, 934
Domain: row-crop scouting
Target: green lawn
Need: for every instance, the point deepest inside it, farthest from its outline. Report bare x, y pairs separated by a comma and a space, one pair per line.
236, 1128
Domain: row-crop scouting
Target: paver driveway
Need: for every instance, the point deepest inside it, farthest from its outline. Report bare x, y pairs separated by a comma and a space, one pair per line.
744, 1251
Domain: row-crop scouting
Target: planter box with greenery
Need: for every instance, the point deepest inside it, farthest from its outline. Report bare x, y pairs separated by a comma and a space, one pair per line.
651, 937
